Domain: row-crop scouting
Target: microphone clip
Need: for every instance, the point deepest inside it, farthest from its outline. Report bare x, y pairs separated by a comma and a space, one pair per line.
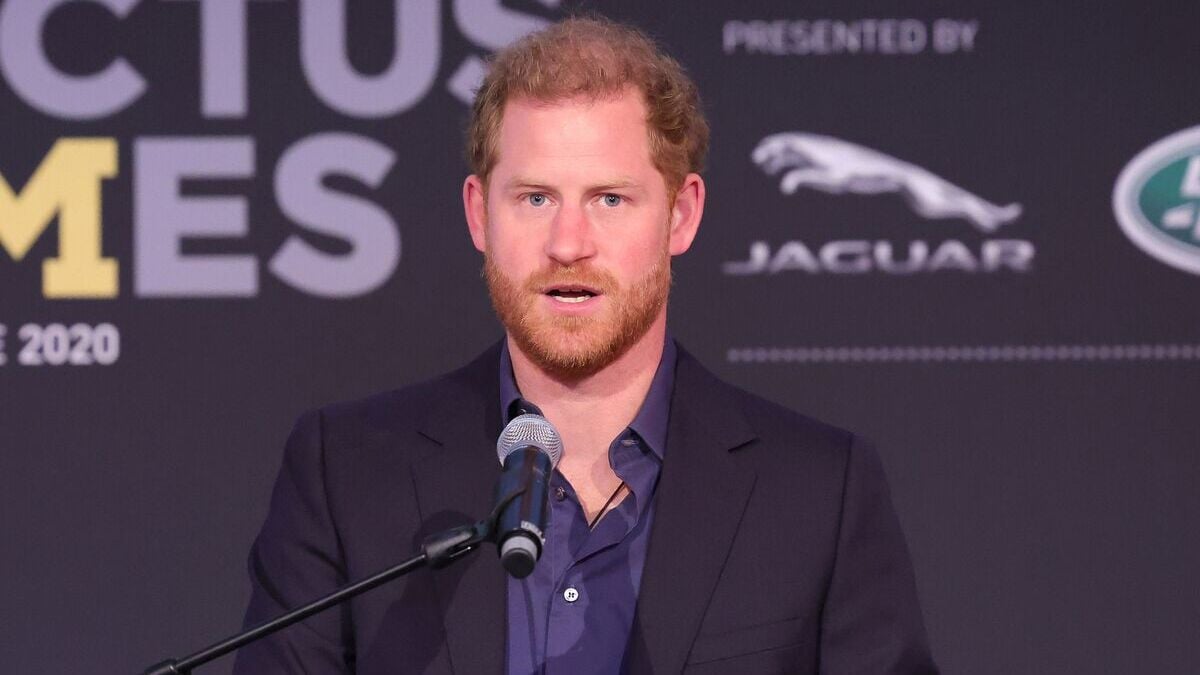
445, 547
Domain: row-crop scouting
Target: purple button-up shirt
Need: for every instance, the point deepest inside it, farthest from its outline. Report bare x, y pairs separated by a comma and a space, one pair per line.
573, 614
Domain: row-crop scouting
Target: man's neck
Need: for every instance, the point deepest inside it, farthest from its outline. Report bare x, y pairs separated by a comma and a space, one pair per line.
591, 411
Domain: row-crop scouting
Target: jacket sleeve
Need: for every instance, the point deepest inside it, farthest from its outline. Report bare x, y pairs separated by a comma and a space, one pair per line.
296, 558
871, 621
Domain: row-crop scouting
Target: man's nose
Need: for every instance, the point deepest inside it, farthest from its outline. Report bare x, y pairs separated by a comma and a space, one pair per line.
570, 237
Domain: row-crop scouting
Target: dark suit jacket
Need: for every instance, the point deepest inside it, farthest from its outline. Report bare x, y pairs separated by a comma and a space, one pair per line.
775, 547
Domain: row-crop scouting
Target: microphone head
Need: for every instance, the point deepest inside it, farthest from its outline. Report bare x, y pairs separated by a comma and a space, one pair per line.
530, 431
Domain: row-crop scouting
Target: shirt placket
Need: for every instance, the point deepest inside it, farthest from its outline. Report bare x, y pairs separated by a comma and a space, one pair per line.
572, 596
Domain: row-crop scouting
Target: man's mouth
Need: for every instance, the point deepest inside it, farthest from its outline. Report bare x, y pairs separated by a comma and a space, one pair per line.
571, 294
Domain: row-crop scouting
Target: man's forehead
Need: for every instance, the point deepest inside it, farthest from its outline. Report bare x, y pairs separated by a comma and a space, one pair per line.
528, 114
578, 131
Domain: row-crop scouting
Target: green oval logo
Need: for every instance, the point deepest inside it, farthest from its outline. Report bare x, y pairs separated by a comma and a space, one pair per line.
1157, 200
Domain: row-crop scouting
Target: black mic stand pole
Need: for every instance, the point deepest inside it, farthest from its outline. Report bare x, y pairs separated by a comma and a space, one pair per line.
437, 551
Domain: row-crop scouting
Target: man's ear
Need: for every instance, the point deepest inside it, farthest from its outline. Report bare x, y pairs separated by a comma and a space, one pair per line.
686, 214
475, 207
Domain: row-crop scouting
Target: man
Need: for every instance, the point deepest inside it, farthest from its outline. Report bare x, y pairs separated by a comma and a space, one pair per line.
693, 526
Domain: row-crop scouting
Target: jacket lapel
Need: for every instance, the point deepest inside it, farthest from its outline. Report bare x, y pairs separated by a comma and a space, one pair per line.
454, 487
701, 495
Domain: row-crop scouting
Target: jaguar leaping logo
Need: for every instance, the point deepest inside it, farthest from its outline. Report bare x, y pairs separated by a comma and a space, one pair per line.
838, 167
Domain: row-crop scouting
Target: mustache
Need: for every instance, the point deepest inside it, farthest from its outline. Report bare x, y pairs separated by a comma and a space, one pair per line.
581, 275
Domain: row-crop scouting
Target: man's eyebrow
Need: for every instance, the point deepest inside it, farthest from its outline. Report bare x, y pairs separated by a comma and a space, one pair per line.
618, 184
521, 182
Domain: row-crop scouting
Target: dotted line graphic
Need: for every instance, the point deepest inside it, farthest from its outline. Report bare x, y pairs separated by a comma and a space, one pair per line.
965, 354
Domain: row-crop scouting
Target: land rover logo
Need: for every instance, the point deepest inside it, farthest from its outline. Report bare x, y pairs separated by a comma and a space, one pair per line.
1157, 200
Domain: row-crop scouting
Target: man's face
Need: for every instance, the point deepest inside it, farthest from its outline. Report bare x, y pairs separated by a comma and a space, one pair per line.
576, 231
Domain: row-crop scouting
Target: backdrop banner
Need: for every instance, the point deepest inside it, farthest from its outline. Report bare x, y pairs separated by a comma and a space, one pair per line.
969, 231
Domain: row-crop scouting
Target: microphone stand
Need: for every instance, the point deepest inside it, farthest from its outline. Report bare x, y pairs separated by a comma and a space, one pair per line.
437, 551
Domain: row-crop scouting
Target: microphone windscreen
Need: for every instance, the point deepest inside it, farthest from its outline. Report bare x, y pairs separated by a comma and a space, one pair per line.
526, 431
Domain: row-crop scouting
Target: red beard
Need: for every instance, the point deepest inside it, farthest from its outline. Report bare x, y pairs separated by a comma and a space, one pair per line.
574, 347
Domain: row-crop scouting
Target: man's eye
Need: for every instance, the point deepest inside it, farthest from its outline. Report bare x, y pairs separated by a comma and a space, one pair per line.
537, 199
612, 200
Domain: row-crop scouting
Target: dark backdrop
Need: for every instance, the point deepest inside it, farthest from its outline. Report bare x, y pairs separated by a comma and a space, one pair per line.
1031, 378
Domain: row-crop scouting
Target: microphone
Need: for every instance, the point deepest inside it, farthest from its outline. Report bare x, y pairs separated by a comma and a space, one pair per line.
529, 448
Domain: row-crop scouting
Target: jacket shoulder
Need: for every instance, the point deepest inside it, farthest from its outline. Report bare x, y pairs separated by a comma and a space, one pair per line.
775, 421
411, 407
774, 425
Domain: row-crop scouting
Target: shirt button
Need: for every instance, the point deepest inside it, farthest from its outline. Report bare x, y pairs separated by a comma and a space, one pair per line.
559, 493
571, 595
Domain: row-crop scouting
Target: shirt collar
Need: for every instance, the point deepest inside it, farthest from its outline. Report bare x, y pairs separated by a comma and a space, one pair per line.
650, 422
